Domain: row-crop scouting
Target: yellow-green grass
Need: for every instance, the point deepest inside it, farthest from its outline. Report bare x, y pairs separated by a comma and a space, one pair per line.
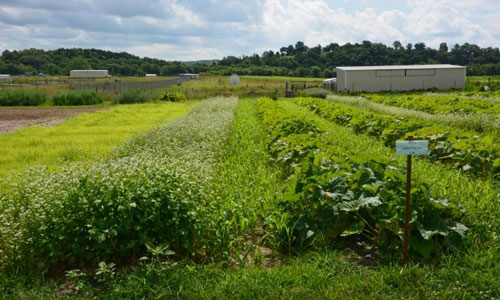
60, 84
483, 78
85, 136
249, 86
281, 78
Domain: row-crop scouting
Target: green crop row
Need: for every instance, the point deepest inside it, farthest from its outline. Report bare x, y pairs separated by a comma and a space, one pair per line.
480, 123
332, 195
438, 104
77, 98
22, 98
467, 151
154, 193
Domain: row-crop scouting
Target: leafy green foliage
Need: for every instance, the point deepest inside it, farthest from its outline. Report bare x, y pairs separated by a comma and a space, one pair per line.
334, 195
156, 190
466, 151
78, 63
438, 104
22, 98
315, 93
173, 96
77, 98
133, 96
106, 212
479, 85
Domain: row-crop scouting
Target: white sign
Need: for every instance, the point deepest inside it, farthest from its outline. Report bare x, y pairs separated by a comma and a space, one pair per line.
412, 147
234, 79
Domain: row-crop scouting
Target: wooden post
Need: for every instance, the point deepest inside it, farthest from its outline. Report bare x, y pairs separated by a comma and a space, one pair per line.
406, 236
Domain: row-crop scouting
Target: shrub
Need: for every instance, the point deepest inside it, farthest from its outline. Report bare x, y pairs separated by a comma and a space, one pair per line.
22, 98
315, 92
173, 96
78, 98
133, 96
104, 212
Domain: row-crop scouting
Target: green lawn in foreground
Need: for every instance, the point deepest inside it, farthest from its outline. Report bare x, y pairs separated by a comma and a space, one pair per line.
82, 137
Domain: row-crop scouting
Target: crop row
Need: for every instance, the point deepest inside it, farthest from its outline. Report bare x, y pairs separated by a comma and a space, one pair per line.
480, 123
332, 195
156, 191
439, 104
467, 151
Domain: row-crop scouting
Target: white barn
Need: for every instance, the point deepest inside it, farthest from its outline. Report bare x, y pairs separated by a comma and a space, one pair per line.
5, 78
88, 73
399, 78
189, 75
330, 84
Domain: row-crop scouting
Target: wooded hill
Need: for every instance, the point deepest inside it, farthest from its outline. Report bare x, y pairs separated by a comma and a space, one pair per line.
293, 60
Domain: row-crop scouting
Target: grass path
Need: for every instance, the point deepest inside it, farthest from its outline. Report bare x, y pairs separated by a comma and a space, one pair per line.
82, 137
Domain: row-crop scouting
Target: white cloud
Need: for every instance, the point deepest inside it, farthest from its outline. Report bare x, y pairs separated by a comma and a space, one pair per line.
315, 22
174, 52
430, 21
192, 29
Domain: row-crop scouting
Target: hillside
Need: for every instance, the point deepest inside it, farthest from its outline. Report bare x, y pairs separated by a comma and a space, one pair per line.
298, 60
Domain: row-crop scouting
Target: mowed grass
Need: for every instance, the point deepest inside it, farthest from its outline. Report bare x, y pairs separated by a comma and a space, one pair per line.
82, 137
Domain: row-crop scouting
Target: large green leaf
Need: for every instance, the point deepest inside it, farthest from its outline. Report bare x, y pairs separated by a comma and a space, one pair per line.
422, 246
355, 228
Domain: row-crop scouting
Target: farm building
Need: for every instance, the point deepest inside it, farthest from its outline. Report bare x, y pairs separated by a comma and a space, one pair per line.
150, 75
330, 84
5, 78
88, 73
399, 78
189, 75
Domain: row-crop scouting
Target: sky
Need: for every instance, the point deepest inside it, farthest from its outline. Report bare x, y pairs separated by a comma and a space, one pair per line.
211, 29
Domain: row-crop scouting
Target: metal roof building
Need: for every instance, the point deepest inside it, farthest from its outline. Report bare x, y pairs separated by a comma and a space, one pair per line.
189, 75
330, 84
399, 78
88, 73
5, 78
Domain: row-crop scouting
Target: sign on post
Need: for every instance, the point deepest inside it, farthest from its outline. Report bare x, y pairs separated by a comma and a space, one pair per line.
409, 148
234, 79
412, 147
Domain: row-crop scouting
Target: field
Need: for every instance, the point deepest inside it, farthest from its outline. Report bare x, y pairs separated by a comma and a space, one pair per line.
206, 86
249, 86
242, 197
15, 118
82, 137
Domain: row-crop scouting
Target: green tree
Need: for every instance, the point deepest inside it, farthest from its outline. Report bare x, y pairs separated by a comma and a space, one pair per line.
78, 63
316, 71
443, 47
397, 45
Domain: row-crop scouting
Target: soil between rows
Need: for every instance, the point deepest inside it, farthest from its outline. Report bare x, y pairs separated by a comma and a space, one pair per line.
16, 118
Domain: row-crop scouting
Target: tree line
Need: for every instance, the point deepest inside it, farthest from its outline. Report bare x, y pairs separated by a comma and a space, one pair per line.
293, 60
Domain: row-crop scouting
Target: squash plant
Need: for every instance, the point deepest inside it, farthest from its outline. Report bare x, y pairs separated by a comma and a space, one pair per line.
467, 151
331, 195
